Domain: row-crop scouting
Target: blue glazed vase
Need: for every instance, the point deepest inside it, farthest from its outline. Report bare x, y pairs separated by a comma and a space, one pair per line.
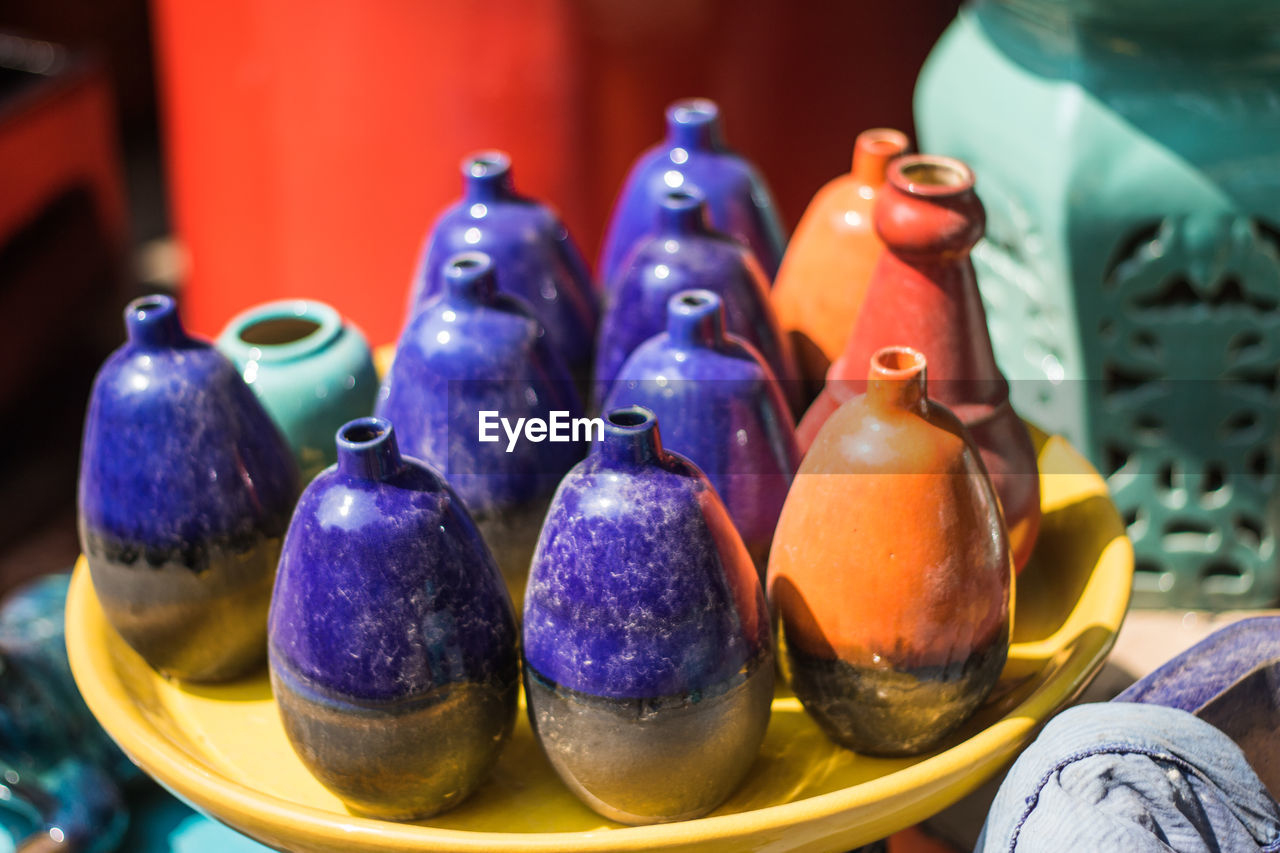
472, 350
720, 406
648, 657
536, 257
682, 252
694, 157
185, 492
392, 640
311, 371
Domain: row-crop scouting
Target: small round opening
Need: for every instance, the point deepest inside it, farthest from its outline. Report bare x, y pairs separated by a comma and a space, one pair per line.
632, 417
931, 175
489, 163
884, 142
362, 433
277, 331
682, 199
467, 263
898, 359
694, 111
149, 303
694, 300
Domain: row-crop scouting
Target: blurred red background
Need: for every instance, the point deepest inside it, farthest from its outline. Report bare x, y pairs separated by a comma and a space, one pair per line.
311, 145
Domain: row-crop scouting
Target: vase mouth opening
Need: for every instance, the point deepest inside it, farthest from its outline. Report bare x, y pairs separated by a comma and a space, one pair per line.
695, 318
487, 164
898, 362
470, 275
694, 111
282, 331
630, 418
685, 199
931, 175
364, 431
883, 142
153, 321
367, 449
151, 304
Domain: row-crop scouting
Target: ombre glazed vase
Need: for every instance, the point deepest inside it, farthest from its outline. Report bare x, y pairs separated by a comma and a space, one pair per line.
719, 406
536, 257
923, 294
311, 370
392, 638
694, 157
471, 350
186, 487
648, 657
683, 252
891, 569
830, 257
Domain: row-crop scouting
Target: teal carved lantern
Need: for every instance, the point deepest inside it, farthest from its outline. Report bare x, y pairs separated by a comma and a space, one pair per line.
1128, 154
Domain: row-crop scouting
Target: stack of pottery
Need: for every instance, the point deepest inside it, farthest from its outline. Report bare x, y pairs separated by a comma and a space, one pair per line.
827, 268
923, 294
471, 350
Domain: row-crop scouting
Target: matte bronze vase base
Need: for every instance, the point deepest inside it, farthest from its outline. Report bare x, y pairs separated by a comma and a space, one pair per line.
641, 761
404, 760
206, 624
894, 712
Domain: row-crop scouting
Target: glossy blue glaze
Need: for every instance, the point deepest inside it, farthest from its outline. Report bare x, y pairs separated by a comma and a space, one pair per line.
694, 157
385, 589
683, 252
472, 349
720, 406
536, 257
178, 454
641, 587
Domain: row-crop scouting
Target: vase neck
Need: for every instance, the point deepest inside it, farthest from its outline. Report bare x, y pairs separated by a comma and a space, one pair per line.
152, 321
487, 177
631, 438
694, 124
695, 318
683, 212
872, 152
896, 380
367, 449
469, 279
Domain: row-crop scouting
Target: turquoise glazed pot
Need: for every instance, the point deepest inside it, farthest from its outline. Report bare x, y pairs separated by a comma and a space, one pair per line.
392, 639
185, 492
312, 372
1126, 154
648, 657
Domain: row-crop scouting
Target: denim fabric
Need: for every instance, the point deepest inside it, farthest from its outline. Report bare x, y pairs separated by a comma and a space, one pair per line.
1132, 778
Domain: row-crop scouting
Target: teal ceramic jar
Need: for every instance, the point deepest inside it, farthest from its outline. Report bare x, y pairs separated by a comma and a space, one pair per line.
1126, 154
312, 372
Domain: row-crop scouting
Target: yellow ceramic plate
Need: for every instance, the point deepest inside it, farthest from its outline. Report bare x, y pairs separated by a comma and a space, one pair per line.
223, 748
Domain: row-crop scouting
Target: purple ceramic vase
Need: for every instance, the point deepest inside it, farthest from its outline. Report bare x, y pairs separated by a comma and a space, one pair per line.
186, 486
471, 357
648, 658
694, 157
392, 640
683, 252
536, 257
720, 406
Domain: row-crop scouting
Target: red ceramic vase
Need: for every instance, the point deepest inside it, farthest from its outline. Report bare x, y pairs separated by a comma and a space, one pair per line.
924, 294
891, 569
825, 272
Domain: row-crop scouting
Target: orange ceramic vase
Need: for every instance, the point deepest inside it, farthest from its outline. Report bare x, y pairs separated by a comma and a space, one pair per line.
891, 569
828, 263
924, 294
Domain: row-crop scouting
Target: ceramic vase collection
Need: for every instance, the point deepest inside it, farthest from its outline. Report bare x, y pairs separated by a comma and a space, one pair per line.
719, 406
186, 488
392, 638
474, 349
311, 370
648, 657
694, 157
923, 294
533, 251
683, 252
891, 568
830, 257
